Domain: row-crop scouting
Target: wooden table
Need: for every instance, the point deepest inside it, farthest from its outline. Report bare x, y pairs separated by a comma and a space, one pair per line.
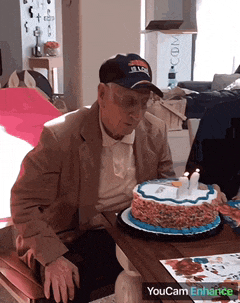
50, 63
145, 253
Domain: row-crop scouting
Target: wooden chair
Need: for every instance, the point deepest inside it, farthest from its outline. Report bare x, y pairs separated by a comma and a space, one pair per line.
15, 276
30, 108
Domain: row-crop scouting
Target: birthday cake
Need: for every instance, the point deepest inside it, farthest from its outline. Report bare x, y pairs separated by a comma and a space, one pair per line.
174, 207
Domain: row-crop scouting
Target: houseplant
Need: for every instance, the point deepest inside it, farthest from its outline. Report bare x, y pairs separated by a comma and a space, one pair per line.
51, 48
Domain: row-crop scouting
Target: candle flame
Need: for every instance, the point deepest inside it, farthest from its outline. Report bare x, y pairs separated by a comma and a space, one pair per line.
197, 170
186, 174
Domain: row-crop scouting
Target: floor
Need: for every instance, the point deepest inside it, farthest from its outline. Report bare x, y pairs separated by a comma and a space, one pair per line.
5, 297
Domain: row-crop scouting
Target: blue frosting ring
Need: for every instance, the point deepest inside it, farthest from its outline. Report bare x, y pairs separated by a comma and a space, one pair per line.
172, 231
140, 191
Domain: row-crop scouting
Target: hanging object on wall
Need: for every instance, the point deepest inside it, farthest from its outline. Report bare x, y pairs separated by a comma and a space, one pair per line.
26, 27
31, 11
39, 16
37, 48
49, 31
48, 17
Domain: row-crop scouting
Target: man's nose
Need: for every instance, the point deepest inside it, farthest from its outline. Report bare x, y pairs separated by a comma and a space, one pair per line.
137, 113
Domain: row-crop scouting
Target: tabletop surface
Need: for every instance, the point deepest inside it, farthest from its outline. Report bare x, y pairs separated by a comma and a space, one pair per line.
145, 253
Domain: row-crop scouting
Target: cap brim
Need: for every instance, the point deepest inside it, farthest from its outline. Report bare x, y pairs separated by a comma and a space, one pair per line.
150, 86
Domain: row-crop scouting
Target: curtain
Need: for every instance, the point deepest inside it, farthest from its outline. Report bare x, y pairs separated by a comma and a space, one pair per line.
217, 48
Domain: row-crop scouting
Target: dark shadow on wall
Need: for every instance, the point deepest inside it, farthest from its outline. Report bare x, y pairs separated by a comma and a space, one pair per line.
9, 64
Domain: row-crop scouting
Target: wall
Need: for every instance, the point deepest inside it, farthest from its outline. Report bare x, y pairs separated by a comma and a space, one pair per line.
10, 38
60, 40
108, 27
28, 38
17, 41
72, 50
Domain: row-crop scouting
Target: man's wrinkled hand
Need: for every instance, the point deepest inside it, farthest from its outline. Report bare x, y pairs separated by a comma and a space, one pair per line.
61, 275
221, 197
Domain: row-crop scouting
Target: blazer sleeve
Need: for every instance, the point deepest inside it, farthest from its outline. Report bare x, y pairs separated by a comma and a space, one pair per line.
34, 191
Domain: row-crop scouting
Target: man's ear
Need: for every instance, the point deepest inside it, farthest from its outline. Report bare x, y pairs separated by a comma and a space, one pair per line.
13, 80
101, 94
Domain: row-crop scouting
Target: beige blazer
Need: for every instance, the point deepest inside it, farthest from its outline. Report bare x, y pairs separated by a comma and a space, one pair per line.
54, 198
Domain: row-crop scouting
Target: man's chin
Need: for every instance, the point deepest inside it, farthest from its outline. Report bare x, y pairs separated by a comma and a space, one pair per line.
127, 130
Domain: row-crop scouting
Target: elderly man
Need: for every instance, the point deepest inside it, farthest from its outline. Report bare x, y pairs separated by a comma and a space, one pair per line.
86, 162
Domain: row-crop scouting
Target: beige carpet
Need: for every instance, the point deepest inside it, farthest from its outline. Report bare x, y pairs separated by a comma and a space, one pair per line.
5, 297
108, 299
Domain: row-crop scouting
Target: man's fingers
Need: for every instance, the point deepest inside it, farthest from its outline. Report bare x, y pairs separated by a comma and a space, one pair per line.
202, 186
70, 287
221, 195
224, 197
63, 290
56, 292
47, 284
76, 277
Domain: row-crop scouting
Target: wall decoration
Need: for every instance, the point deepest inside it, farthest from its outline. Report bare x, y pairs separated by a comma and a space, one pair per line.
20, 45
31, 11
26, 27
39, 16
48, 17
37, 48
49, 30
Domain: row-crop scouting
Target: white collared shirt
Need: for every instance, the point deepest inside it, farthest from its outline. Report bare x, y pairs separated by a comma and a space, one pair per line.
117, 172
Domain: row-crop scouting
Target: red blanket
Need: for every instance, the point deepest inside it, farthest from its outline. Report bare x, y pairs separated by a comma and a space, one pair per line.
23, 112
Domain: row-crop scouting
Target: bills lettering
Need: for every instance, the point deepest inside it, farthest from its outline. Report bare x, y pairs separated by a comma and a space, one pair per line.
138, 63
135, 69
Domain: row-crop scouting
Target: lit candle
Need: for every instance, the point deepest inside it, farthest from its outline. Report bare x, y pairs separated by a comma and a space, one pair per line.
183, 189
194, 181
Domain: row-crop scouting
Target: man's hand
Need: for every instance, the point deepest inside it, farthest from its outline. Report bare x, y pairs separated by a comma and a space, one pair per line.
221, 197
61, 274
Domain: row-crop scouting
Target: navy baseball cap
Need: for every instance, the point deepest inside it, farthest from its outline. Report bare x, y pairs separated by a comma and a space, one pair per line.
130, 71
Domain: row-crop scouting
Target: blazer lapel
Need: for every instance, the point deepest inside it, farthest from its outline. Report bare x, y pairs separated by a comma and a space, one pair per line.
90, 157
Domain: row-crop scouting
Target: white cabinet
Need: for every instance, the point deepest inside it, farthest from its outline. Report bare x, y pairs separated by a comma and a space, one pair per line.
164, 49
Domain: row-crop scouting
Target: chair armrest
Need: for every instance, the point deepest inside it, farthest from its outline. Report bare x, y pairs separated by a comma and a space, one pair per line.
198, 86
15, 271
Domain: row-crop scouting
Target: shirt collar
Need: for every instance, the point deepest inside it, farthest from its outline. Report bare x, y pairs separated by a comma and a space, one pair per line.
108, 141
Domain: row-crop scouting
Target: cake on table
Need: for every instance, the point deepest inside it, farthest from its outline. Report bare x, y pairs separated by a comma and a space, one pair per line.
175, 206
